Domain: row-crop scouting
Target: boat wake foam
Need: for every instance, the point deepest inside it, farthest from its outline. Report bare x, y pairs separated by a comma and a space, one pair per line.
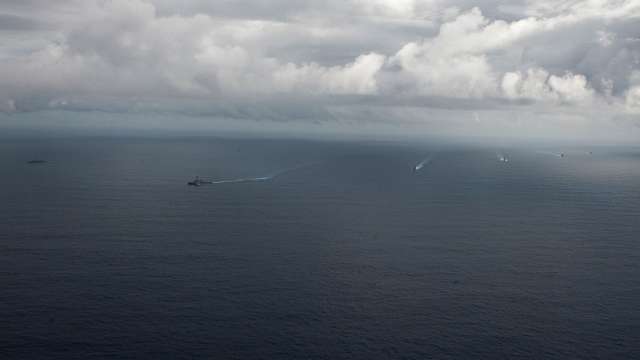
550, 153
241, 180
260, 178
422, 164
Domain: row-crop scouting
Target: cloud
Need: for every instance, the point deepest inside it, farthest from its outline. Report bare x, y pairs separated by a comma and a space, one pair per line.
340, 60
10, 22
357, 77
537, 84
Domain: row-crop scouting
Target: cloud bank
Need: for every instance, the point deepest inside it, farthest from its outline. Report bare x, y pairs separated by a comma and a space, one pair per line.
439, 63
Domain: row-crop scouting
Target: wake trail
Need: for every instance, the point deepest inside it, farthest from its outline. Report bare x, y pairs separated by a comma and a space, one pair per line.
261, 178
549, 153
242, 180
422, 164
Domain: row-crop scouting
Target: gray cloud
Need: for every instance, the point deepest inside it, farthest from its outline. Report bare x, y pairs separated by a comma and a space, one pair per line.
17, 23
401, 62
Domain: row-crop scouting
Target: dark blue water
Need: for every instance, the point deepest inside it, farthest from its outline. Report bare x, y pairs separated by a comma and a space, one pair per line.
345, 253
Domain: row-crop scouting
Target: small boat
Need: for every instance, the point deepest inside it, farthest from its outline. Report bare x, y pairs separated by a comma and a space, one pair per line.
36, 161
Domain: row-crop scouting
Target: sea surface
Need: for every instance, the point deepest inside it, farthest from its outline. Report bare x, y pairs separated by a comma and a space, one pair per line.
317, 250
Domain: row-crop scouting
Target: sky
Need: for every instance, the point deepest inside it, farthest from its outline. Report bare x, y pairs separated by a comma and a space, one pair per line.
523, 68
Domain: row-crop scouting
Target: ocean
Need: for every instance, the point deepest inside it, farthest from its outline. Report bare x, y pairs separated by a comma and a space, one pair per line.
305, 249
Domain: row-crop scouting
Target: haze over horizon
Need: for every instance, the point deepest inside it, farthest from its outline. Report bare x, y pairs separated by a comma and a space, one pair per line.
542, 69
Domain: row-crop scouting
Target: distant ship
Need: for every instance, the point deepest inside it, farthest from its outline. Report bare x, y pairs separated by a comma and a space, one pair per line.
198, 182
36, 161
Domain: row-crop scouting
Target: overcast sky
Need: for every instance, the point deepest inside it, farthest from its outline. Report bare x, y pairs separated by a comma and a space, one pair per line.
532, 66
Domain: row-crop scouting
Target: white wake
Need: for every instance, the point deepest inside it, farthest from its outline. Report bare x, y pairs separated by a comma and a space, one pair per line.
241, 180
260, 178
422, 164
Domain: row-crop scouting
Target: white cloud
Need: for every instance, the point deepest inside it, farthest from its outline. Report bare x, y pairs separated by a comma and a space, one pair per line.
530, 85
632, 99
599, 8
537, 84
428, 72
358, 77
572, 55
571, 88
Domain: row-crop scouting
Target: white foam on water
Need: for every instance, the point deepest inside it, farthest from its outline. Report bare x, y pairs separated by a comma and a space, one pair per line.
241, 180
423, 163
260, 178
549, 153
